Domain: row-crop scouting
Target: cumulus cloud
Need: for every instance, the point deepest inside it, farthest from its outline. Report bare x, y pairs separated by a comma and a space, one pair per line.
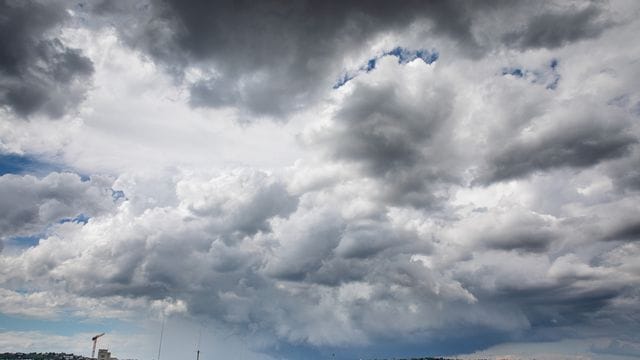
490, 196
325, 271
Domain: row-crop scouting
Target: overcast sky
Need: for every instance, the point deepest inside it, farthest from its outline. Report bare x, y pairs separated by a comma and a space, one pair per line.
294, 180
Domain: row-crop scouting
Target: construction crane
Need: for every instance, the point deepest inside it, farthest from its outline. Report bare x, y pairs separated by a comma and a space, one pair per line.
95, 340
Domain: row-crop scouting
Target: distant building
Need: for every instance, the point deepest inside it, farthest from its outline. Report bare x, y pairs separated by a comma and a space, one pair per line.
104, 354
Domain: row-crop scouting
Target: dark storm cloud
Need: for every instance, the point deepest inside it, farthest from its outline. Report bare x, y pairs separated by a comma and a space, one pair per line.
533, 240
384, 130
626, 232
564, 300
271, 58
618, 347
571, 143
557, 306
554, 29
392, 135
38, 73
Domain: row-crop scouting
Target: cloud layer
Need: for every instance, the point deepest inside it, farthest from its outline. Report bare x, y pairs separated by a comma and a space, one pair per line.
485, 195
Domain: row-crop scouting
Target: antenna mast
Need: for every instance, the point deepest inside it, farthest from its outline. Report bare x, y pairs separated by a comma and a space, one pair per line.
161, 334
198, 347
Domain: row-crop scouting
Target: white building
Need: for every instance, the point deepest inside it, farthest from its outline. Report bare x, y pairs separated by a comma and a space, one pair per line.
104, 354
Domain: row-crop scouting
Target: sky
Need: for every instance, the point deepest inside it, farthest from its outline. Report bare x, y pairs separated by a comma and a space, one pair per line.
320, 179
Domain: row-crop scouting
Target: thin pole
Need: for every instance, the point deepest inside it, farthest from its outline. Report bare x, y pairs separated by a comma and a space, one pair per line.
198, 347
161, 334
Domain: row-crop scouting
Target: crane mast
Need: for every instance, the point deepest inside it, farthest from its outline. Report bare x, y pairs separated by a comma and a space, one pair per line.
95, 340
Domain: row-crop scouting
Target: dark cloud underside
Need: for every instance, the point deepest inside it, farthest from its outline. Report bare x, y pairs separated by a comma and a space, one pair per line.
571, 143
271, 58
553, 29
38, 73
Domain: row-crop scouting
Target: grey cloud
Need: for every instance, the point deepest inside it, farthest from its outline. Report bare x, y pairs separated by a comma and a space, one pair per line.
625, 173
305, 245
532, 239
337, 270
385, 130
519, 230
208, 228
629, 178
272, 58
554, 29
366, 239
328, 249
560, 278
288, 282
617, 347
29, 204
550, 303
318, 277
397, 138
571, 143
555, 308
241, 205
626, 232
38, 73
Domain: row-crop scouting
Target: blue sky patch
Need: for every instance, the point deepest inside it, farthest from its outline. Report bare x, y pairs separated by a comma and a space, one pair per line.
404, 56
513, 71
65, 325
343, 80
27, 241
117, 195
371, 64
548, 75
80, 219
24, 241
25, 164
